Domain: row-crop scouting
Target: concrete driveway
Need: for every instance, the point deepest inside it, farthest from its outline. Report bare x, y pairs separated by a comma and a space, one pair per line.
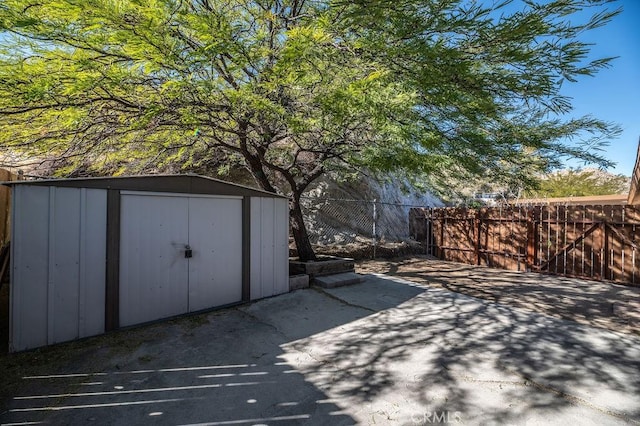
382, 352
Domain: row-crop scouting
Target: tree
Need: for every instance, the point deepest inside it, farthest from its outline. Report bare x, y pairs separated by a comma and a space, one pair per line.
291, 89
578, 183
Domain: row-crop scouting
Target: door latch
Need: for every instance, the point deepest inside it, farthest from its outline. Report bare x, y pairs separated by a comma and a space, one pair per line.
188, 253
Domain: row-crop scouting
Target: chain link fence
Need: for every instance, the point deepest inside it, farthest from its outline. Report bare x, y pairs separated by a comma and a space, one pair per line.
359, 228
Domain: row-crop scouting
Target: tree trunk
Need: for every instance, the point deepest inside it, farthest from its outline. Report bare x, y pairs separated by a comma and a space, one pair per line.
299, 230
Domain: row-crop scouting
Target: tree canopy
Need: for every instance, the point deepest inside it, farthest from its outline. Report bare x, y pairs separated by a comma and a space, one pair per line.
578, 183
291, 89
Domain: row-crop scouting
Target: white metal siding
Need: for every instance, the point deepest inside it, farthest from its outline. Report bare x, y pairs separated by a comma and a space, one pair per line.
269, 247
58, 265
281, 237
153, 270
30, 259
156, 280
64, 264
215, 235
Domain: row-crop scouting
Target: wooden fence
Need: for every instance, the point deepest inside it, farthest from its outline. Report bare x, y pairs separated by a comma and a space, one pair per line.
5, 223
5, 206
595, 242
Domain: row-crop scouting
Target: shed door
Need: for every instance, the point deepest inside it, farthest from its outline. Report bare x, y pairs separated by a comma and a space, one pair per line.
157, 280
215, 236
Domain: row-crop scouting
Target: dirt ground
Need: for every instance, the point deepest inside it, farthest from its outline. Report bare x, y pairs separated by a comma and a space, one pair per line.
600, 304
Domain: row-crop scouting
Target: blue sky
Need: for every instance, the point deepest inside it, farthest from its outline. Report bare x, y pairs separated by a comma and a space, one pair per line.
614, 93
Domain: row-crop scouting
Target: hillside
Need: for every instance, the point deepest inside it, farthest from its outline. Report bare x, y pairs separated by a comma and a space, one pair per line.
343, 212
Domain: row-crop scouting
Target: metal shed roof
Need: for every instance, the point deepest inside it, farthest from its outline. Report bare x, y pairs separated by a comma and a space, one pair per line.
188, 183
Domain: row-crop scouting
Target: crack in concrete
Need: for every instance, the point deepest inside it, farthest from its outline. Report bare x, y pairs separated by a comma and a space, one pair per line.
342, 301
569, 397
261, 321
526, 380
296, 347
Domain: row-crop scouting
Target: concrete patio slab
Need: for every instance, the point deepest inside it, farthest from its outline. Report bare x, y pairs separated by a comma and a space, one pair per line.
595, 303
386, 351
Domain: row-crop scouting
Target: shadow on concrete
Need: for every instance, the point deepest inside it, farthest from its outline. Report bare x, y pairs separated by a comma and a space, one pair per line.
599, 304
224, 367
448, 353
378, 352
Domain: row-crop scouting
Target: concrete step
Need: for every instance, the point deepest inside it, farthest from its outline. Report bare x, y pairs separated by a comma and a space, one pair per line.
296, 282
337, 280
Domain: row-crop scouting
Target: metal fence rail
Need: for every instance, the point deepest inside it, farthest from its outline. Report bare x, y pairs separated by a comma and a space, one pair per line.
595, 242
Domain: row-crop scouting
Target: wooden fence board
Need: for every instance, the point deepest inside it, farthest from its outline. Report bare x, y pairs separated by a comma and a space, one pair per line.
595, 242
5, 206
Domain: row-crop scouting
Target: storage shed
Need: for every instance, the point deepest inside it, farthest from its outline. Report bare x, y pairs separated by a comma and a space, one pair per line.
97, 254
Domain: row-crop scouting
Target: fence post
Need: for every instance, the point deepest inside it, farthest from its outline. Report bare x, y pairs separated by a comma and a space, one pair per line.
606, 257
375, 218
428, 231
478, 227
443, 224
531, 238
